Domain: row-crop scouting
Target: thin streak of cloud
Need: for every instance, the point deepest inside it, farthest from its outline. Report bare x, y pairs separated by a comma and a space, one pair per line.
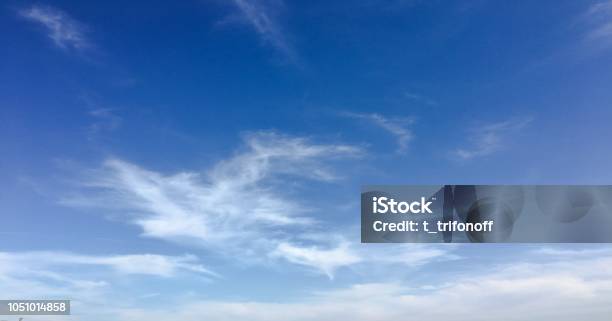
395, 126
144, 264
260, 15
571, 253
106, 120
599, 15
326, 260
490, 138
63, 30
60, 274
420, 98
327, 252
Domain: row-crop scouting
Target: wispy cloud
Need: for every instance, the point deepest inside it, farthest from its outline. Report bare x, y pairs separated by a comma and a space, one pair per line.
599, 17
261, 15
339, 252
326, 260
240, 207
145, 264
418, 98
62, 274
65, 32
398, 127
562, 291
489, 138
572, 253
105, 120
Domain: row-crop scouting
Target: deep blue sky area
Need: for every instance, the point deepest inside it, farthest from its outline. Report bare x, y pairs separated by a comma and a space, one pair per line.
209, 153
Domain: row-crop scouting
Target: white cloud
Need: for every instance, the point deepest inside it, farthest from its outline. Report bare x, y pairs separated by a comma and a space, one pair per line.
562, 291
395, 126
489, 138
409, 254
87, 279
61, 28
240, 208
342, 253
146, 264
261, 16
566, 253
599, 16
420, 98
326, 260
105, 120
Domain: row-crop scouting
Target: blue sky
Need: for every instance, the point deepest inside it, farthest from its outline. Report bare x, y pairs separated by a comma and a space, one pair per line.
203, 159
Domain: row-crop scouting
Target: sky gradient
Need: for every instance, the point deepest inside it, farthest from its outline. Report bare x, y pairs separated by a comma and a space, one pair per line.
202, 159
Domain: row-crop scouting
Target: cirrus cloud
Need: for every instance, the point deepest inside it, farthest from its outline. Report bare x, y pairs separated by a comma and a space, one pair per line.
63, 30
